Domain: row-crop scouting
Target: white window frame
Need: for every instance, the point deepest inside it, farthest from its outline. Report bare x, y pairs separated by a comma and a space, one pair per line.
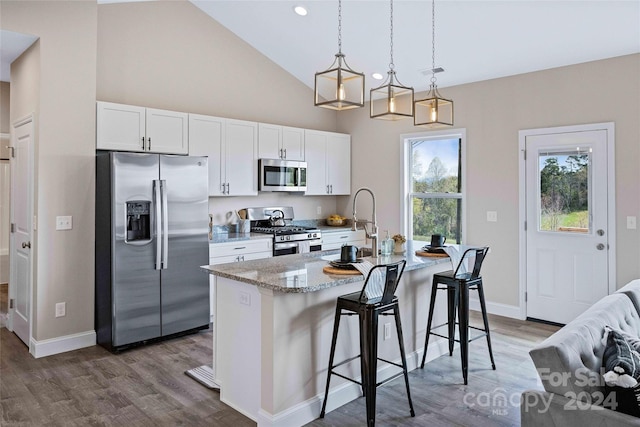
406, 211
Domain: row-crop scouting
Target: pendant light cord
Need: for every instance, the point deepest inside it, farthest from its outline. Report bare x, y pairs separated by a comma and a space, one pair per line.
391, 64
340, 26
433, 42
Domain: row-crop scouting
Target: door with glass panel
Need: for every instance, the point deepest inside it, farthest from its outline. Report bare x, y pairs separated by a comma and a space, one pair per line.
567, 239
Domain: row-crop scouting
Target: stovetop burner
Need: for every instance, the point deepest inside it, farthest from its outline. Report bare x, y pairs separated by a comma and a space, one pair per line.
285, 229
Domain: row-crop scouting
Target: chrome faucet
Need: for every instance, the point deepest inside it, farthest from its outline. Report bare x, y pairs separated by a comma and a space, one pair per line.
374, 225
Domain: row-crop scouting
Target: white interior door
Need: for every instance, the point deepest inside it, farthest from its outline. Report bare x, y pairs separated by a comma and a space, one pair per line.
21, 237
567, 235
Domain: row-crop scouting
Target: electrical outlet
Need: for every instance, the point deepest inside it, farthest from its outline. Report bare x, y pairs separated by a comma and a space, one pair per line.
61, 309
245, 298
631, 222
319, 210
64, 222
387, 331
492, 216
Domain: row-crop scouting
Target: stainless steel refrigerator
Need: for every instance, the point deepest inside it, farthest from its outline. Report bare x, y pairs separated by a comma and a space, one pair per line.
151, 239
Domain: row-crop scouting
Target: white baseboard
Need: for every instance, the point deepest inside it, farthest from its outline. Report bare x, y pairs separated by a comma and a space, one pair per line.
309, 410
512, 311
62, 344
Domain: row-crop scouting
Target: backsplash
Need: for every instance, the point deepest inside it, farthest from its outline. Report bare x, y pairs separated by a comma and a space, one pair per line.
304, 207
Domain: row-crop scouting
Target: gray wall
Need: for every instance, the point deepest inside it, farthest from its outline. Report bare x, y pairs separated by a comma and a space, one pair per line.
56, 80
493, 112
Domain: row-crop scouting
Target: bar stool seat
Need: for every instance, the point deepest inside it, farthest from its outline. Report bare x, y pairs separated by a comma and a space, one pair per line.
457, 284
368, 310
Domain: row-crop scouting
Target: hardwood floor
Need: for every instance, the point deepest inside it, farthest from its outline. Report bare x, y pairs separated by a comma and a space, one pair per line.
439, 396
146, 386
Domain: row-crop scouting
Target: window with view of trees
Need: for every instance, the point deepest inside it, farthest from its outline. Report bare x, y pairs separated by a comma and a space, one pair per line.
564, 192
436, 188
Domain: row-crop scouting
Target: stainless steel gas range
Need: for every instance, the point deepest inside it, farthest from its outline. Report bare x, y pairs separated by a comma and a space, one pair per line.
287, 238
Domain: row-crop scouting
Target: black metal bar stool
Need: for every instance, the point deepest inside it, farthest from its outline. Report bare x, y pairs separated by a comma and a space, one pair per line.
457, 285
368, 311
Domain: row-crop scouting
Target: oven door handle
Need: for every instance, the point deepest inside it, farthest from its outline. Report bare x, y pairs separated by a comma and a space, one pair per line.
285, 245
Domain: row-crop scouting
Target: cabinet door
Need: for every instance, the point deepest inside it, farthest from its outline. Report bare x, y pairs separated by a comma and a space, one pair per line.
315, 147
269, 141
339, 164
293, 143
167, 132
206, 138
120, 127
241, 158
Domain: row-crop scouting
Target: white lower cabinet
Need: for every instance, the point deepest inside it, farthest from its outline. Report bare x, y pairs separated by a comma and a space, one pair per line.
245, 250
335, 239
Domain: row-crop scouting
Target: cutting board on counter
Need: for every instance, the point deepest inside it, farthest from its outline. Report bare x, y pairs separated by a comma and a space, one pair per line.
431, 254
332, 270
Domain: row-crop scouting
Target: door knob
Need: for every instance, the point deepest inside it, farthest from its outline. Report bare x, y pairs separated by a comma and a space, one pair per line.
26, 245
600, 246
600, 232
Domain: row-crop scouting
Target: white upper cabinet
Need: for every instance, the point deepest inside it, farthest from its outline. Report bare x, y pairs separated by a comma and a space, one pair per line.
131, 128
280, 142
232, 148
241, 158
206, 138
328, 157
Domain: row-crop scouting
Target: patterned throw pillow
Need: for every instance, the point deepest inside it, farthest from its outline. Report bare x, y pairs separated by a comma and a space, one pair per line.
618, 353
621, 358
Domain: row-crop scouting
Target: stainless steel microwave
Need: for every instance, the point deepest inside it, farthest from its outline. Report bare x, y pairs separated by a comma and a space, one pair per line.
282, 175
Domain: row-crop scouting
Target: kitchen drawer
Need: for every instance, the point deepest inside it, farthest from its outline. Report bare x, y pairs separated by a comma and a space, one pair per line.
243, 247
334, 240
239, 257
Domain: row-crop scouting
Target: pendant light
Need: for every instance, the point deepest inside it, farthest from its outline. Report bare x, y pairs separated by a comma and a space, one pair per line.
339, 87
392, 100
434, 111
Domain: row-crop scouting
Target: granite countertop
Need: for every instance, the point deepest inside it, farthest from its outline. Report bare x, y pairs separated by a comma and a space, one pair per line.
303, 272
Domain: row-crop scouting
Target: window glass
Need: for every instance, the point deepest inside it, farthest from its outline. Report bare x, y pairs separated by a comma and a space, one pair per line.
436, 182
564, 191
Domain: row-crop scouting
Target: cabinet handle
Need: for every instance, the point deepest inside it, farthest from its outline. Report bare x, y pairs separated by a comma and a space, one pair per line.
328, 190
280, 153
223, 188
241, 247
149, 143
228, 190
143, 143
344, 237
285, 153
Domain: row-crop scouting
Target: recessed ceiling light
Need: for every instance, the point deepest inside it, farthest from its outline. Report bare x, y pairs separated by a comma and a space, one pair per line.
377, 76
300, 10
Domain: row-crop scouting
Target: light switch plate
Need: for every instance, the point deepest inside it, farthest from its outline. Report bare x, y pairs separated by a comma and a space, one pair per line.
64, 222
631, 222
492, 216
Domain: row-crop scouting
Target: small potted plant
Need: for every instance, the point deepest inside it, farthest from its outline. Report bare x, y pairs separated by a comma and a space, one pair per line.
398, 240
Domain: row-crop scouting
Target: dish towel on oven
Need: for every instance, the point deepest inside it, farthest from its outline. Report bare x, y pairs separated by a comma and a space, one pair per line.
304, 247
454, 256
375, 285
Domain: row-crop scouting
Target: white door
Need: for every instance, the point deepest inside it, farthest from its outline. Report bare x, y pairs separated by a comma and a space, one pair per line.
21, 237
206, 138
567, 235
120, 127
339, 164
167, 131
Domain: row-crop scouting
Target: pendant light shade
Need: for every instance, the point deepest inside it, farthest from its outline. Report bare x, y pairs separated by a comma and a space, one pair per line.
392, 100
339, 87
434, 111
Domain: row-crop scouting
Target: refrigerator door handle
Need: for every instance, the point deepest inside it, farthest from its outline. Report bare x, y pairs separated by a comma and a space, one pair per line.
157, 203
165, 224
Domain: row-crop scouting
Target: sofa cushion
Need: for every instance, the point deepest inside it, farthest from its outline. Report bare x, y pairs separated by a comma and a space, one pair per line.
570, 360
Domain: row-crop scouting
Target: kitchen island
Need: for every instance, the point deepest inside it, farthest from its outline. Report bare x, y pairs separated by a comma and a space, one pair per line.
273, 332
